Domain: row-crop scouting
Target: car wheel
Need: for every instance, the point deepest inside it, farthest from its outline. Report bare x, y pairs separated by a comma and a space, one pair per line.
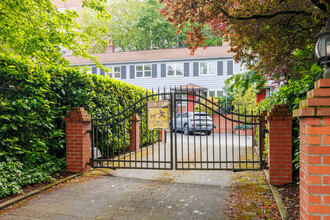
209, 132
185, 129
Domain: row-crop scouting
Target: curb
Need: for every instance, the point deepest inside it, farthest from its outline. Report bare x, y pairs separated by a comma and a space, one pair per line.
22, 197
280, 205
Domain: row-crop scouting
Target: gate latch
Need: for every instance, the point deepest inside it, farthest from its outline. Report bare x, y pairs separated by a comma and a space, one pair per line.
264, 133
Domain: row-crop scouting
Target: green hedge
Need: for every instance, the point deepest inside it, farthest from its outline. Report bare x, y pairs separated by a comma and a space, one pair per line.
33, 102
243, 127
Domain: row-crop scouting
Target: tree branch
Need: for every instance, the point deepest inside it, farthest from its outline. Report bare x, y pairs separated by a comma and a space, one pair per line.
293, 12
319, 5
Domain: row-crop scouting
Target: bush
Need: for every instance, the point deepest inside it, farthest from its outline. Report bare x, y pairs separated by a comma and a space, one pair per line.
290, 95
242, 127
34, 101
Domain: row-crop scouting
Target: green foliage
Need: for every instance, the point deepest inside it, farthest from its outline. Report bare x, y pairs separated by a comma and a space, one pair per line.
34, 101
242, 127
15, 174
36, 29
245, 104
294, 91
137, 25
290, 95
209, 105
243, 81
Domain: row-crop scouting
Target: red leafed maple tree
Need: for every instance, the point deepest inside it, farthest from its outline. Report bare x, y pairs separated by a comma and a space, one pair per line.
274, 31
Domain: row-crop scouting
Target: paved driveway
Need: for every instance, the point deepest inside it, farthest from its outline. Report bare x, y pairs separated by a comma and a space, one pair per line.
147, 194
133, 194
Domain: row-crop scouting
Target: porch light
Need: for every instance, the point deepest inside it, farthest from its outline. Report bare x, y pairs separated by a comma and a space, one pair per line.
322, 48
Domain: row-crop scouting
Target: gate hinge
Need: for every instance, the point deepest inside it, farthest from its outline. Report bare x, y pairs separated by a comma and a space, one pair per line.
89, 132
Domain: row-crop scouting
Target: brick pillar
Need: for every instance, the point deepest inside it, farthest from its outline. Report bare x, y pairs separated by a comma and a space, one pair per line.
314, 113
280, 145
135, 133
78, 141
162, 135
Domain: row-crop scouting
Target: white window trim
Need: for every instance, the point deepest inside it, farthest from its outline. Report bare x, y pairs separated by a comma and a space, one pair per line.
207, 69
143, 71
215, 92
112, 71
175, 75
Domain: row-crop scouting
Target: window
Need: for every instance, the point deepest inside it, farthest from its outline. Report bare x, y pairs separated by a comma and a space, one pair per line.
143, 70
211, 93
267, 92
207, 68
215, 93
219, 93
174, 69
114, 72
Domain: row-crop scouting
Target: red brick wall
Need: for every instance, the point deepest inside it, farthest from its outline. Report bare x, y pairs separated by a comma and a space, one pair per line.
78, 141
223, 121
314, 113
280, 145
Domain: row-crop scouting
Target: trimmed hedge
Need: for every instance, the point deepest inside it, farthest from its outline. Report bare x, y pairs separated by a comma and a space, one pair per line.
33, 102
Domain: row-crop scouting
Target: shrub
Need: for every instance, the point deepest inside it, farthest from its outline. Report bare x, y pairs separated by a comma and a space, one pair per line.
34, 101
242, 127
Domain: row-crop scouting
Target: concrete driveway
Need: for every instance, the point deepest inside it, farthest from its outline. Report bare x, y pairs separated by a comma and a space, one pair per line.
147, 194
133, 194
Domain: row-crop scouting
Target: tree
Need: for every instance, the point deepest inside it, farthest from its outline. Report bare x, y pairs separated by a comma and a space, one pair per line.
36, 29
274, 31
137, 25
241, 82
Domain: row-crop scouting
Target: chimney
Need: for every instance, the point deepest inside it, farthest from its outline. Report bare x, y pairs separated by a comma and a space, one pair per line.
110, 48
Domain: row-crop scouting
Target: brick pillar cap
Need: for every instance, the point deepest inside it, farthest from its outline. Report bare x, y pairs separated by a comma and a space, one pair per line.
317, 102
135, 117
279, 112
78, 114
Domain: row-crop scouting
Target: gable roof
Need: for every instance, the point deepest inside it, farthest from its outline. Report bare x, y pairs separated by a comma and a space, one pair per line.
155, 55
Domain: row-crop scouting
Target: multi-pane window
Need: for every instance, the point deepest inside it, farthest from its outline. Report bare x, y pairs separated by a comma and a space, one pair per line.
207, 68
143, 70
175, 69
215, 93
114, 72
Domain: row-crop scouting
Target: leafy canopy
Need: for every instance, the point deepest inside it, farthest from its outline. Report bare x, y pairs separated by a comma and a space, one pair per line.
274, 31
36, 29
137, 25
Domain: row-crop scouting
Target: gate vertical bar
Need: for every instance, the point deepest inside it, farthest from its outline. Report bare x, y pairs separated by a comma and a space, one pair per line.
171, 128
194, 121
260, 140
181, 96
176, 138
239, 139
188, 128
226, 136
220, 164
147, 133
252, 141
213, 132
93, 141
232, 137
153, 138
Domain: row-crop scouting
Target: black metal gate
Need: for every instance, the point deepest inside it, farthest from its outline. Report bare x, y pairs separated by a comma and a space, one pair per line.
202, 135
